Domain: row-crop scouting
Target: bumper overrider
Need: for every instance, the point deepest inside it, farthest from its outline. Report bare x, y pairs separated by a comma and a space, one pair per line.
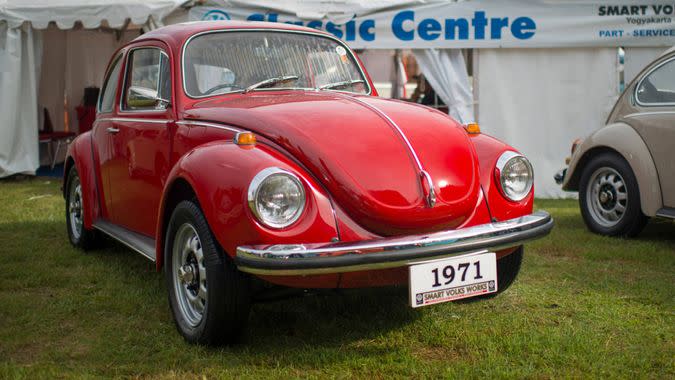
322, 258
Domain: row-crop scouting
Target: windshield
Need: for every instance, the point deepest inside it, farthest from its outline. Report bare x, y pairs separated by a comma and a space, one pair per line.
222, 62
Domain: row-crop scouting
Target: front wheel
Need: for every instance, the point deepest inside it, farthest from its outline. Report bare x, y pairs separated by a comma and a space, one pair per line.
508, 268
609, 197
209, 297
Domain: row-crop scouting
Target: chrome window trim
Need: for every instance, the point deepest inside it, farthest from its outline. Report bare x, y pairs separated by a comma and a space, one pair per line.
132, 119
207, 124
124, 80
637, 114
254, 186
337, 40
104, 85
635, 90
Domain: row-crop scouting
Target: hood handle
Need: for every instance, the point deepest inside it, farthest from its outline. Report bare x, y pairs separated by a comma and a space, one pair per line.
429, 192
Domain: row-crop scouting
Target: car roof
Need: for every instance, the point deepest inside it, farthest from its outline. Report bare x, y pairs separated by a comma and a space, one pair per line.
177, 33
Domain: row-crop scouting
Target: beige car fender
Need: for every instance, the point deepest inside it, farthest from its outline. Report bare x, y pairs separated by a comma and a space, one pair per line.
623, 139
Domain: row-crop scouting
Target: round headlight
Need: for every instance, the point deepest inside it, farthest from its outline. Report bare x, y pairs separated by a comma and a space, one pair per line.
276, 197
515, 175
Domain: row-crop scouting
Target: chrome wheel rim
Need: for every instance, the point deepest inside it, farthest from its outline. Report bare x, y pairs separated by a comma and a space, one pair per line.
607, 197
75, 208
189, 274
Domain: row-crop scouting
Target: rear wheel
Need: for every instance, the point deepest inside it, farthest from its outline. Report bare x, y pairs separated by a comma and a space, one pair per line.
209, 297
609, 197
75, 205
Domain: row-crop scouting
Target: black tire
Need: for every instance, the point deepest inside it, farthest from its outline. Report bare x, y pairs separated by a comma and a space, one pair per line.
508, 268
631, 220
78, 235
226, 305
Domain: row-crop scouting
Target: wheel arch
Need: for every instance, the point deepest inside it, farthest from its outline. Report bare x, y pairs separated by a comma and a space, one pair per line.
79, 156
623, 140
217, 175
179, 189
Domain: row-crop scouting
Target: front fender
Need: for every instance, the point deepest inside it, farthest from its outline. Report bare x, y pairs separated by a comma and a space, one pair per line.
79, 154
488, 150
624, 140
219, 174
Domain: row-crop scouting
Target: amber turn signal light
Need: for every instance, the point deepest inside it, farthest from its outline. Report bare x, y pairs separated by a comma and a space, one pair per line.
244, 138
472, 128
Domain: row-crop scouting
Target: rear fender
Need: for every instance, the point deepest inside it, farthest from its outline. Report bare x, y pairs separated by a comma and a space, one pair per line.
219, 174
622, 139
79, 154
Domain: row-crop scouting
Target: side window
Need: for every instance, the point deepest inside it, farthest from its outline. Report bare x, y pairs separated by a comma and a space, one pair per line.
107, 97
658, 87
148, 81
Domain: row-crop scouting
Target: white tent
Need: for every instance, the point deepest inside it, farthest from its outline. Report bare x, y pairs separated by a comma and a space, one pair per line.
49, 51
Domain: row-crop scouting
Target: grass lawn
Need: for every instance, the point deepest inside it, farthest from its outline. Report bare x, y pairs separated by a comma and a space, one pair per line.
583, 306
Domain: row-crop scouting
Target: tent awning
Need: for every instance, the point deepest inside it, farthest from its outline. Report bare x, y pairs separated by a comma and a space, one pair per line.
91, 13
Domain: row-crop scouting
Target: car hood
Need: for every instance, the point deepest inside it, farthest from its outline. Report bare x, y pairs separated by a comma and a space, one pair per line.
367, 152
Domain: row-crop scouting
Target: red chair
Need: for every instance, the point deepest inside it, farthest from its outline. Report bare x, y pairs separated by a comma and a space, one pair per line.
49, 137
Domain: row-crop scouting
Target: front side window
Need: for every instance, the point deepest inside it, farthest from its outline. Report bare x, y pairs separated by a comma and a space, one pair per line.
107, 97
222, 62
148, 82
658, 87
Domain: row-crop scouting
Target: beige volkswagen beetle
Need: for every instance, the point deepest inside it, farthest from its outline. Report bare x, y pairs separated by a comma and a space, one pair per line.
625, 171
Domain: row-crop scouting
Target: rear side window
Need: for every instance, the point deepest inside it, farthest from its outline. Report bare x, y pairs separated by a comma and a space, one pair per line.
658, 87
148, 80
107, 97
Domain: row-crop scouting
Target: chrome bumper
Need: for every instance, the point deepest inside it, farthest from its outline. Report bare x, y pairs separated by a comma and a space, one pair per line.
321, 258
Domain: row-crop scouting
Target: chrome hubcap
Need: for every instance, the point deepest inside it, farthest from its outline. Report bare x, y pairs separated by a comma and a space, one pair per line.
607, 197
75, 207
189, 274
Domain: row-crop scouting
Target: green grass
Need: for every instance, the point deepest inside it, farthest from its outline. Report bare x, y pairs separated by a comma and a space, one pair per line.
583, 306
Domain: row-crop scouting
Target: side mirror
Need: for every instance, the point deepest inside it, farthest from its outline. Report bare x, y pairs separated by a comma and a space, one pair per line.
143, 97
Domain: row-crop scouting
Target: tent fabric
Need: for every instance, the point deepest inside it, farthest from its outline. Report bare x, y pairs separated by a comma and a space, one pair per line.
540, 100
91, 13
336, 11
77, 59
445, 70
20, 58
20, 50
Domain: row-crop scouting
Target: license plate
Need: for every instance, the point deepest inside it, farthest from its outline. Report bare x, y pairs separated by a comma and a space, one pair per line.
451, 279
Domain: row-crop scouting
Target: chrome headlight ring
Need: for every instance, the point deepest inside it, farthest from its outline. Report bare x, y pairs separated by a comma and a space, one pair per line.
276, 197
515, 175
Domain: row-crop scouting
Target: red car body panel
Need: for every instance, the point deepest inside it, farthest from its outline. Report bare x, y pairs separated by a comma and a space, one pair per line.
385, 196
361, 179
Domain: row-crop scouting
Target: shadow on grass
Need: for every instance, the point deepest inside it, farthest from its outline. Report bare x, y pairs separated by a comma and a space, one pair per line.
327, 320
659, 229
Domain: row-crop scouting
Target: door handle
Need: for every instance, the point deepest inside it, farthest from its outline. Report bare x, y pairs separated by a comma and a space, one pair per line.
112, 130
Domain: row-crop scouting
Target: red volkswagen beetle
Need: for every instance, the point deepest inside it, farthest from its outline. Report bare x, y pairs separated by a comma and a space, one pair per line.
241, 157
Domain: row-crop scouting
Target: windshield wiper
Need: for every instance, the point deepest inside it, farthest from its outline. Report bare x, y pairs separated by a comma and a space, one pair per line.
270, 82
341, 84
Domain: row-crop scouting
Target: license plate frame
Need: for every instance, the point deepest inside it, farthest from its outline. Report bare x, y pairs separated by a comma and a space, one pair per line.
472, 275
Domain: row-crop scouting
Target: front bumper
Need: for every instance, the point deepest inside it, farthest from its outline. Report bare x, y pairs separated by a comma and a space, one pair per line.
322, 258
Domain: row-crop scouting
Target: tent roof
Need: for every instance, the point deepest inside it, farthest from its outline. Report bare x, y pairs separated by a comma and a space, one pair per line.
319, 9
91, 13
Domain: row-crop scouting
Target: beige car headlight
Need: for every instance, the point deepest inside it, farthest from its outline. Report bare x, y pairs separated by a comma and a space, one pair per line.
515, 175
276, 197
